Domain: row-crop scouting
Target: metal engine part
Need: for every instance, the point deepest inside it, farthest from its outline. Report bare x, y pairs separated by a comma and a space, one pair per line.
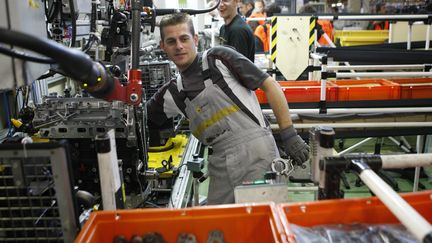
84, 117
79, 120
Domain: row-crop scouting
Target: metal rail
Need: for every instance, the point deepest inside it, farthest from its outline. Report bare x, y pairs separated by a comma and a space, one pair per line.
181, 191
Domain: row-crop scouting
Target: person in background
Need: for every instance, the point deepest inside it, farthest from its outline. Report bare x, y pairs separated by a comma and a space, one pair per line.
262, 32
246, 8
380, 8
215, 91
259, 11
236, 32
324, 26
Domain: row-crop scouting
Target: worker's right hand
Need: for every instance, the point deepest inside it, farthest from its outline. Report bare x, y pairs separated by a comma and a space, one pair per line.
294, 145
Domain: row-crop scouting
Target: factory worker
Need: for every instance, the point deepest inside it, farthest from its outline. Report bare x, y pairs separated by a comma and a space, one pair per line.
215, 91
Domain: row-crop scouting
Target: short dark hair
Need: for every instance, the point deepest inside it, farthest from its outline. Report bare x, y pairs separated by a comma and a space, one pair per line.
379, 7
250, 2
308, 8
273, 9
175, 19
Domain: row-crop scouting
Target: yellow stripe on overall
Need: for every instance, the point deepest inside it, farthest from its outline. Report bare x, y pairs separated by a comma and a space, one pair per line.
312, 23
274, 38
215, 118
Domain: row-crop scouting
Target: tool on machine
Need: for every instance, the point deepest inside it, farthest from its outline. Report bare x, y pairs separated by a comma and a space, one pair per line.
282, 167
273, 188
195, 165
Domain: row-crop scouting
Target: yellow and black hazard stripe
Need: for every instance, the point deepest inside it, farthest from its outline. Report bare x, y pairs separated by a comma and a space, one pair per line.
274, 38
312, 24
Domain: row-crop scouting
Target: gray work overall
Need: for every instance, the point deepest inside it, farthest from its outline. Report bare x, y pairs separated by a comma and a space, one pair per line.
242, 149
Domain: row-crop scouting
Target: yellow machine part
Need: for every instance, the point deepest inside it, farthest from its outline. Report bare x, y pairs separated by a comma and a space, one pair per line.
361, 37
38, 139
175, 147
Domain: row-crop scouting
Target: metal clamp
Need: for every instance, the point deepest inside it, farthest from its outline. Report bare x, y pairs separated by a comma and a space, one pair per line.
282, 166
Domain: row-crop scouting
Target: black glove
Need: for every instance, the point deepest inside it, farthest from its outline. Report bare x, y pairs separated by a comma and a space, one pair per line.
294, 145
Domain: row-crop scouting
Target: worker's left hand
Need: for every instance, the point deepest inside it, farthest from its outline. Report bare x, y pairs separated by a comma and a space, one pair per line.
294, 145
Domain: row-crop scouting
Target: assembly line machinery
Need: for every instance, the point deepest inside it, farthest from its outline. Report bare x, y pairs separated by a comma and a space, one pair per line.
94, 144
74, 130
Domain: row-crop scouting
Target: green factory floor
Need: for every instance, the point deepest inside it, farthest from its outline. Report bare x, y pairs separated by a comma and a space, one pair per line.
356, 189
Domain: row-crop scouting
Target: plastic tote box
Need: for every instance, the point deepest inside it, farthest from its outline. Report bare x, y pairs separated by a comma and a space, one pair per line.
301, 91
349, 211
366, 89
415, 88
236, 222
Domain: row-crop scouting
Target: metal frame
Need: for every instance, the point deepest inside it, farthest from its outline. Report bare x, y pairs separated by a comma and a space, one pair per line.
181, 191
16, 155
331, 167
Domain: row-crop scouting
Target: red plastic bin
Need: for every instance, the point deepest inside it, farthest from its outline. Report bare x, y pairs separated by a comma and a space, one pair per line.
415, 88
349, 211
238, 222
301, 91
366, 89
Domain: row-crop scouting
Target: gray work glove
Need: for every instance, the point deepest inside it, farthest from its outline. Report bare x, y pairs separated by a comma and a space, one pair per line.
294, 145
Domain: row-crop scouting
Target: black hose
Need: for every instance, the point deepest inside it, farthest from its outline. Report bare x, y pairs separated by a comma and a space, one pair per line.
75, 64
25, 56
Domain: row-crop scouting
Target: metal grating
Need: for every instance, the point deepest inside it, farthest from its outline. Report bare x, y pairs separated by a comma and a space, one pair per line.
154, 75
36, 202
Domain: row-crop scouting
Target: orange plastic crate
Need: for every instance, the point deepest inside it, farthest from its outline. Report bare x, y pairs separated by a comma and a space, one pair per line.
302, 91
349, 211
367, 89
239, 223
415, 88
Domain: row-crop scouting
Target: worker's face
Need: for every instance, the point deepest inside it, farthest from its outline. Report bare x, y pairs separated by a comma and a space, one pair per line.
243, 8
227, 8
259, 7
180, 45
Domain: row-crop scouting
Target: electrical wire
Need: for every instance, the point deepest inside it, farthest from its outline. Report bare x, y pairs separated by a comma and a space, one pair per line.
8, 114
73, 21
93, 37
9, 27
52, 10
29, 90
92, 40
16, 101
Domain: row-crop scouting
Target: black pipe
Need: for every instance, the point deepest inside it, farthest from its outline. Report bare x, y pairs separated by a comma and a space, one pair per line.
384, 56
25, 56
136, 32
75, 64
166, 11
93, 16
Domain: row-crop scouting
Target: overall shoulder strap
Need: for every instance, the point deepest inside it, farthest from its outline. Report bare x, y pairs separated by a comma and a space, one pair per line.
179, 95
206, 72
